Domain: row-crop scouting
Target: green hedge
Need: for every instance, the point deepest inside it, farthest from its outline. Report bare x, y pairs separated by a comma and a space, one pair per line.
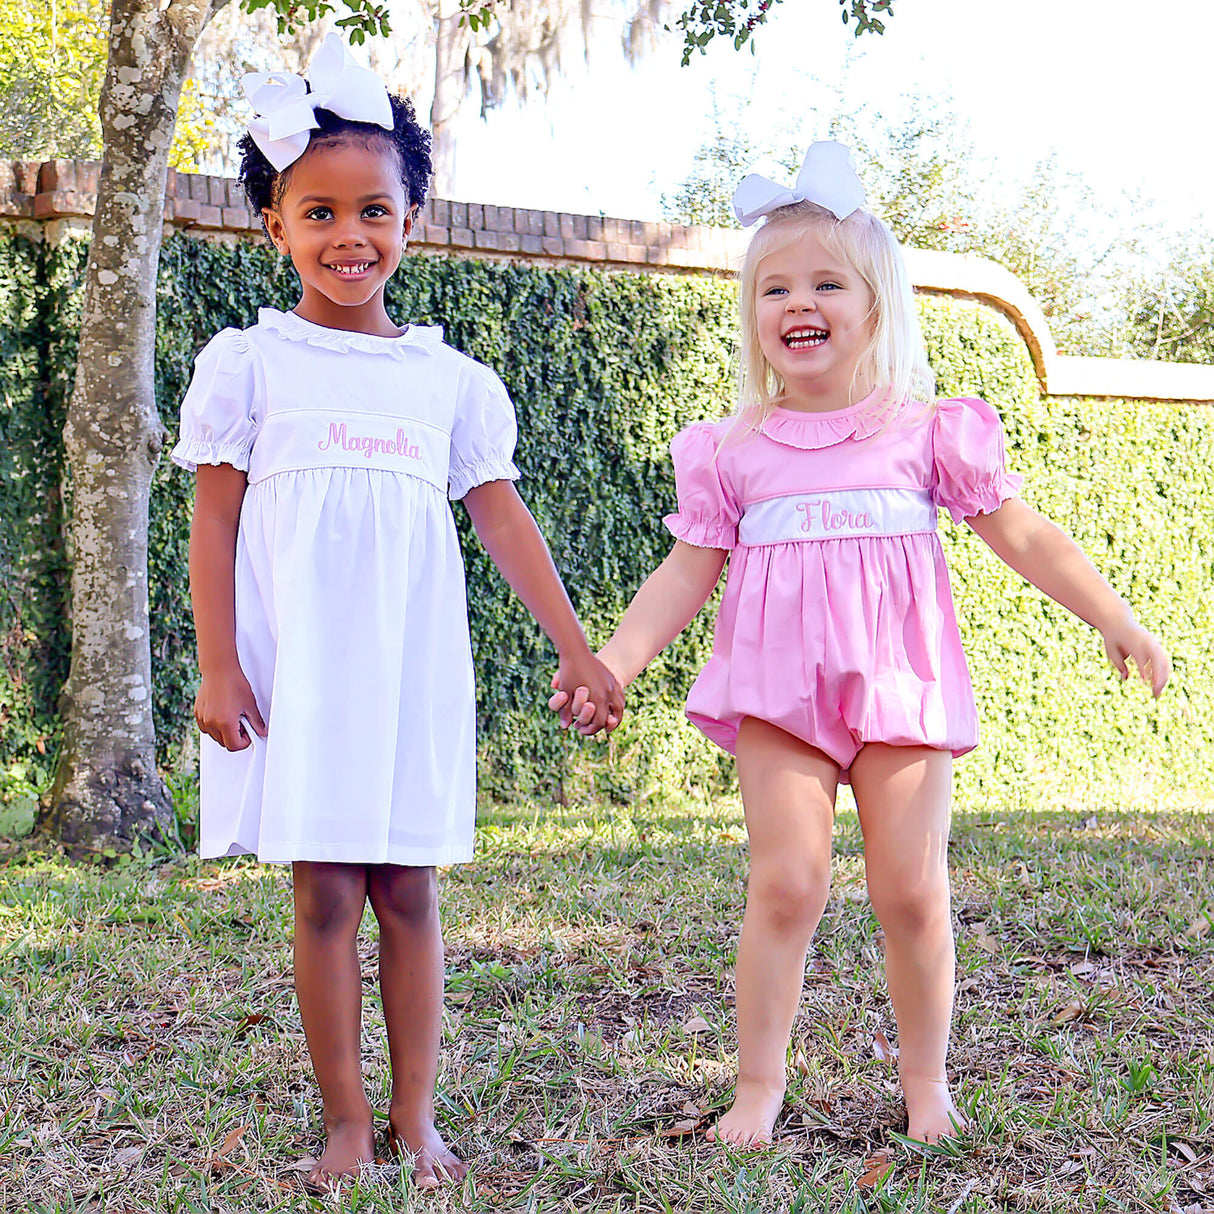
33, 572
1132, 483
604, 368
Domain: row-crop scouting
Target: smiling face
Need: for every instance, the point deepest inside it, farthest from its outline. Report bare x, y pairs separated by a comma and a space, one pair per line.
814, 321
344, 219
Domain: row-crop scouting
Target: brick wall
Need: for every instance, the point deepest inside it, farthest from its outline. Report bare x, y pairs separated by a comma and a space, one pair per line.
67, 189
61, 193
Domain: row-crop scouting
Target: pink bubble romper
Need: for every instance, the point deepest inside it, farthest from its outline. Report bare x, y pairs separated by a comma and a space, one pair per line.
837, 620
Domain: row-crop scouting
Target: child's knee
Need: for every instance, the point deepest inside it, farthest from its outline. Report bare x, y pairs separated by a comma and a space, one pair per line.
911, 908
329, 898
407, 897
790, 899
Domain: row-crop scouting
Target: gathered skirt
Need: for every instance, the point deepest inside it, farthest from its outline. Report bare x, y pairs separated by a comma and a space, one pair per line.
351, 626
839, 642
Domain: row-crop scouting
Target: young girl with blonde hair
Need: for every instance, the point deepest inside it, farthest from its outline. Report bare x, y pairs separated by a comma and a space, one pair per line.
836, 655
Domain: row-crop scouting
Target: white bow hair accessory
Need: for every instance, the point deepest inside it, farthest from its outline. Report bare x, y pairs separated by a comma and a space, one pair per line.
827, 177
286, 111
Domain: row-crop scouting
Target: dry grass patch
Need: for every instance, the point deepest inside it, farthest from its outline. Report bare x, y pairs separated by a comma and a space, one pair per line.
153, 1057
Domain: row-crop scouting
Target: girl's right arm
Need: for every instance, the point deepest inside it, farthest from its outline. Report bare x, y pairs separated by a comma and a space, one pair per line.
224, 695
708, 514
662, 608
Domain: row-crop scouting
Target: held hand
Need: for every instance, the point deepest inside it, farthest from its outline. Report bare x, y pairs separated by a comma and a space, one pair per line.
559, 699
587, 695
221, 701
582, 708
1129, 639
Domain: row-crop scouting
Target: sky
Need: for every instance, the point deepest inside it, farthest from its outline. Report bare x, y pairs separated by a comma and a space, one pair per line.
1116, 89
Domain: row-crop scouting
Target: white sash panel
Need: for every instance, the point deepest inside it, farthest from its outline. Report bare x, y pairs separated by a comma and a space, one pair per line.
837, 514
320, 438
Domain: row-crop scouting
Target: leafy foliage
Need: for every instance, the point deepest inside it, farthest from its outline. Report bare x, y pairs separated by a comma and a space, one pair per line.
33, 644
52, 62
1048, 233
1129, 481
362, 18
704, 20
195, 133
1170, 313
604, 368
52, 66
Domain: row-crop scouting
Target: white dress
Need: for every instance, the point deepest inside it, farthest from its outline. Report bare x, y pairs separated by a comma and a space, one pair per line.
351, 617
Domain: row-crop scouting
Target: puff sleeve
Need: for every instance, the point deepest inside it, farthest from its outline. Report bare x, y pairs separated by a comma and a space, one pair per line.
970, 474
708, 511
219, 412
483, 434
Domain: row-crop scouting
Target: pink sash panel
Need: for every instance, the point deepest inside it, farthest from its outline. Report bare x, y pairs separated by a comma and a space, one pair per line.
837, 514
324, 438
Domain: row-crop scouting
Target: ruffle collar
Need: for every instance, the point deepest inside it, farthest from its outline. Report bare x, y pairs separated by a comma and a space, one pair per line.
295, 328
813, 431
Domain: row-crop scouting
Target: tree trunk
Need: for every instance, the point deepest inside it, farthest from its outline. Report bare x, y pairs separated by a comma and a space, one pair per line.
107, 791
451, 43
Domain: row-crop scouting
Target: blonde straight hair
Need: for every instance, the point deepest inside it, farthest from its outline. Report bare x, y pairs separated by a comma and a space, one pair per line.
895, 358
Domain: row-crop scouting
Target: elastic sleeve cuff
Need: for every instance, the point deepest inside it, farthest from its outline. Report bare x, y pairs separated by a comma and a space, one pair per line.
461, 479
701, 534
986, 499
190, 452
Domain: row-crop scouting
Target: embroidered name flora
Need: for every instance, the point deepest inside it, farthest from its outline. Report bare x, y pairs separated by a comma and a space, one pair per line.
368, 446
819, 510
841, 514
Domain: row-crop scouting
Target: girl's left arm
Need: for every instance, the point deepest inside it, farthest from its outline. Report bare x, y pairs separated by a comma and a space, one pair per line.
508, 532
1048, 557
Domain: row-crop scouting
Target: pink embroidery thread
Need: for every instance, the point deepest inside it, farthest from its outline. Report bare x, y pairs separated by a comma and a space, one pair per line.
832, 521
367, 445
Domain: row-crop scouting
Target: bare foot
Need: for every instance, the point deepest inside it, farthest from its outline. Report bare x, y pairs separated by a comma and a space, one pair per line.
434, 1162
752, 1117
349, 1143
931, 1113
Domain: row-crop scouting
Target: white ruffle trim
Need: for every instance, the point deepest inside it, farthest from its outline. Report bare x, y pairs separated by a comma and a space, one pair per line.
190, 452
701, 533
294, 328
470, 475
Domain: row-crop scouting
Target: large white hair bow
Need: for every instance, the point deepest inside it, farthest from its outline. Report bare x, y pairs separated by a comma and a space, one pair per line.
826, 177
286, 111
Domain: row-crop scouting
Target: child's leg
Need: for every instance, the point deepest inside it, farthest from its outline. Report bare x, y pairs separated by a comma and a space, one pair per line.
405, 901
329, 901
902, 793
788, 791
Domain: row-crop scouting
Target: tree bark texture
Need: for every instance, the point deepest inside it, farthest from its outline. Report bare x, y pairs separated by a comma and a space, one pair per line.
107, 791
452, 42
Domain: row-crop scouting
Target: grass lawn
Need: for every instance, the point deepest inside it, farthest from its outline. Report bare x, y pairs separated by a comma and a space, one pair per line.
152, 1057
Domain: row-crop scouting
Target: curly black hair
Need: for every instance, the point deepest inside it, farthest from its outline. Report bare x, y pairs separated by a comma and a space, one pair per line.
264, 185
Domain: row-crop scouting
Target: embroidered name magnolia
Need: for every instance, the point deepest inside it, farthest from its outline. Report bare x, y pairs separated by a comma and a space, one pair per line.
366, 444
